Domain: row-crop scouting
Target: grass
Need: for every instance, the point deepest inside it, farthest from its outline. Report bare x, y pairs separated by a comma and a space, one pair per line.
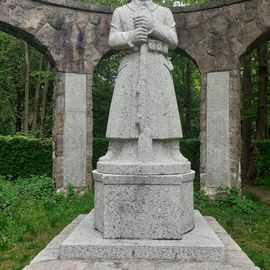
32, 213
246, 219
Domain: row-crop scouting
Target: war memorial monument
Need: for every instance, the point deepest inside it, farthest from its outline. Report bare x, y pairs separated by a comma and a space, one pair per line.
144, 215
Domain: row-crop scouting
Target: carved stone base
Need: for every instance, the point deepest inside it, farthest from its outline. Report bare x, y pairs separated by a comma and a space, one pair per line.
123, 158
144, 206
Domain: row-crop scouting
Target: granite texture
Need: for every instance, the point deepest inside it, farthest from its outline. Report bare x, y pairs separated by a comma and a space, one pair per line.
144, 207
75, 131
218, 137
235, 258
144, 126
200, 245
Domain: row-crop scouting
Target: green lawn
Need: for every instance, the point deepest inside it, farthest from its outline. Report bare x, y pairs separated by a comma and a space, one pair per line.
31, 214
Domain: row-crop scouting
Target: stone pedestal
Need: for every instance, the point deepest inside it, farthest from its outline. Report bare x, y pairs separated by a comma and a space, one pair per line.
144, 206
199, 245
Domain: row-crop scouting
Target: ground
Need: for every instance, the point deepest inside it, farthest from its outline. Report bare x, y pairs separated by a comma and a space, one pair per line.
32, 213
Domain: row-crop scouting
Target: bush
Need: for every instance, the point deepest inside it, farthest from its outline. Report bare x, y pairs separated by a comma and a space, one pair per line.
25, 156
232, 199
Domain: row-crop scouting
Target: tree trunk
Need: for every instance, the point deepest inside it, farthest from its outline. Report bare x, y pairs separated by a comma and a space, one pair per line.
19, 103
44, 105
188, 100
26, 89
246, 125
37, 94
261, 123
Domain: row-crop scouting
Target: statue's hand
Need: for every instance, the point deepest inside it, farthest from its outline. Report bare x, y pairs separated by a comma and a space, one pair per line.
139, 36
144, 21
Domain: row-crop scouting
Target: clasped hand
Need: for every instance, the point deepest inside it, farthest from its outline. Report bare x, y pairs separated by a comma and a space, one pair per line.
143, 26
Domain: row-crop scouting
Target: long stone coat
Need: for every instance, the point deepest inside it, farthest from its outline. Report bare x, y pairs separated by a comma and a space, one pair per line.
160, 100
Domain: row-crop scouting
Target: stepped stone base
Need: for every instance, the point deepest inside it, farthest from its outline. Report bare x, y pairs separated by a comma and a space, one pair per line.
49, 258
201, 244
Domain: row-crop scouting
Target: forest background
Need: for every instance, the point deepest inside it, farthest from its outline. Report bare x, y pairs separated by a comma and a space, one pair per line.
26, 96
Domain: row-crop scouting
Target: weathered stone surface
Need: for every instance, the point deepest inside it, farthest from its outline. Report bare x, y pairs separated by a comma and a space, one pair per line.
218, 139
235, 259
34, 19
75, 130
249, 33
263, 14
46, 35
17, 15
216, 17
4, 12
235, 128
144, 207
200, 245
89, 129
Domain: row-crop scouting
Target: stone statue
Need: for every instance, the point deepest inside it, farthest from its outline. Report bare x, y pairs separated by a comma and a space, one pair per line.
144, 125
143, 185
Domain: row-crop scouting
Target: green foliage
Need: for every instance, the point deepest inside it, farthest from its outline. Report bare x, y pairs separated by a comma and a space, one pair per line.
12, 83
227, 198
232, 199
180, 74
34, 213
104, 80
36, 187
245, 218
100, 147
25, 156
190, 148
263, 163
31, 214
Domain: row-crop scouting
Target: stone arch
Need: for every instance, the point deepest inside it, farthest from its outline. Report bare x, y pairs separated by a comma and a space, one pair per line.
257, 25
25, 25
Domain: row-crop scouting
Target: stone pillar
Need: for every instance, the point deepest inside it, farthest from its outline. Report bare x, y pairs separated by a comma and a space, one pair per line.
221, 148
73, 130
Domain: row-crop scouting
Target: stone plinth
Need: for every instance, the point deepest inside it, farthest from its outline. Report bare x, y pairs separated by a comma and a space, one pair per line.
50, 257
200, 245
144, 206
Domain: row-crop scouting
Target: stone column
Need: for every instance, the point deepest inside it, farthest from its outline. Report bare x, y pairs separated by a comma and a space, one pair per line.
73, 130
221, 148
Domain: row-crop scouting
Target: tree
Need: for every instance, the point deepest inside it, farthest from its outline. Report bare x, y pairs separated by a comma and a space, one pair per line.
261, 123
26, 88
37, 95
246, 123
